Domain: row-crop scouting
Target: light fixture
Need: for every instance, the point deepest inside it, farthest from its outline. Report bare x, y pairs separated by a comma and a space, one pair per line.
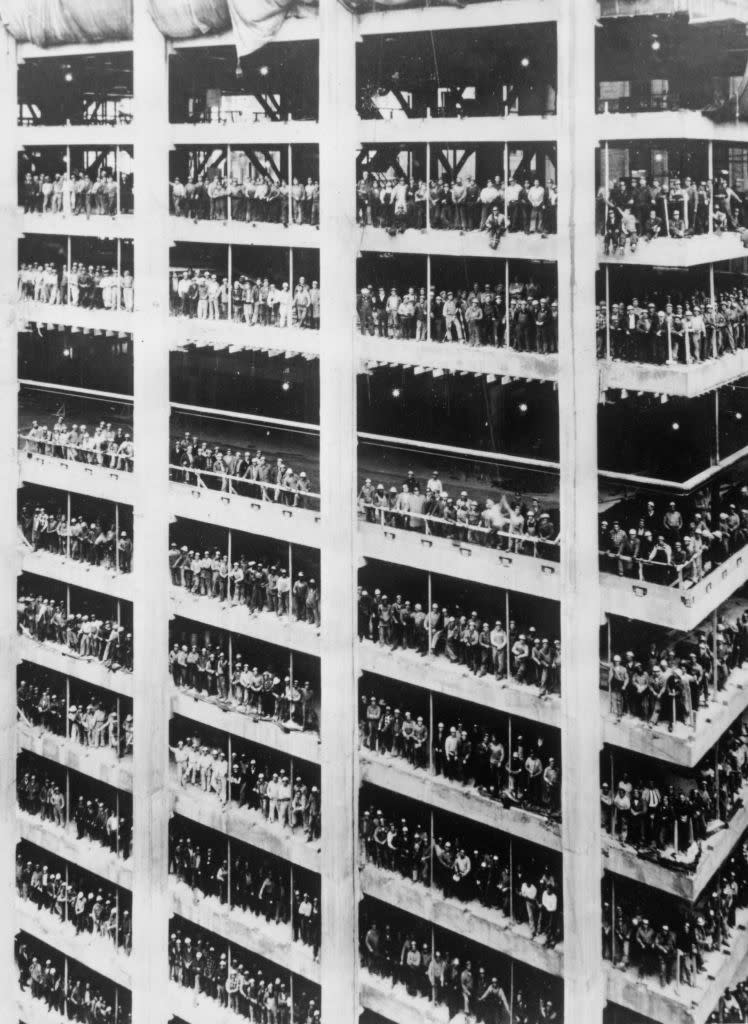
396, 392
238, 73
522, 407
525, 62
68, 76
264, 70
655, 44
738, 415
675, 425
285, 386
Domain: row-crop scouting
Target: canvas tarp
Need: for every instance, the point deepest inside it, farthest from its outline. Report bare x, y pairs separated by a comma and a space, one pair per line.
254, 22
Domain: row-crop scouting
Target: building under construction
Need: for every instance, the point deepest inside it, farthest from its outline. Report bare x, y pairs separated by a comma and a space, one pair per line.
376, 574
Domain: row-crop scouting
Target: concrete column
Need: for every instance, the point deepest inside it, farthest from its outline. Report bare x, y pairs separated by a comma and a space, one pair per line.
337, 127
580, 606
151, 797
8, 546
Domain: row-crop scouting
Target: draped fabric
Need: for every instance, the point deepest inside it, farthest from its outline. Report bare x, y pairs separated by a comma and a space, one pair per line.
53, 22
254, 22
186, 19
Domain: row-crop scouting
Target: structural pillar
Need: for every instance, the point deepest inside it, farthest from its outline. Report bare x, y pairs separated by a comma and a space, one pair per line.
581, 735
151, 796
338, 727
8, 530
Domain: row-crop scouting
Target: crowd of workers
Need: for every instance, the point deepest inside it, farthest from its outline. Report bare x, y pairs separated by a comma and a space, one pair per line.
94, 818
80, 1000
87, 286
457, 982
669, 684
672, 944
668, 822
506, 522
397, 203
94, 725
276, 796
94, 543
195, 461
460, 872
78, 193
462, 639
257, 200
472, 316
237, 979
260, 889
633, 209
257, 585
262, 695
46, 620
203, 294
673, 327
673, 544
105, 446
68, 898
472, 755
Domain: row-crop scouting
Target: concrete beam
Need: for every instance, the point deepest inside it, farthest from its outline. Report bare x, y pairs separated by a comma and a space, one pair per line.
487, 927
580, 607
248, 515
59, 659
475, 15
8, 512
246, 825
91, 136
266, 939
305, 745
397, 776
117, 585
679, 252
338, 554
669, 124
458, 358
182, 331
87, 855
492, 568
264, 133
454, 130
439, 676
685, 380
78, 477
76, 316
82, 227
683, 1004
681, 608
273, 629
97, 763
623, 860
683, 746
237, 232
151, 704
515, 246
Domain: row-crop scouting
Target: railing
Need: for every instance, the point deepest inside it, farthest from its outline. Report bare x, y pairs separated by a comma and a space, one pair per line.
56, 449
461, 109
227, 484
683, 576
643, 104
694, 350
512, 541
93, 120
